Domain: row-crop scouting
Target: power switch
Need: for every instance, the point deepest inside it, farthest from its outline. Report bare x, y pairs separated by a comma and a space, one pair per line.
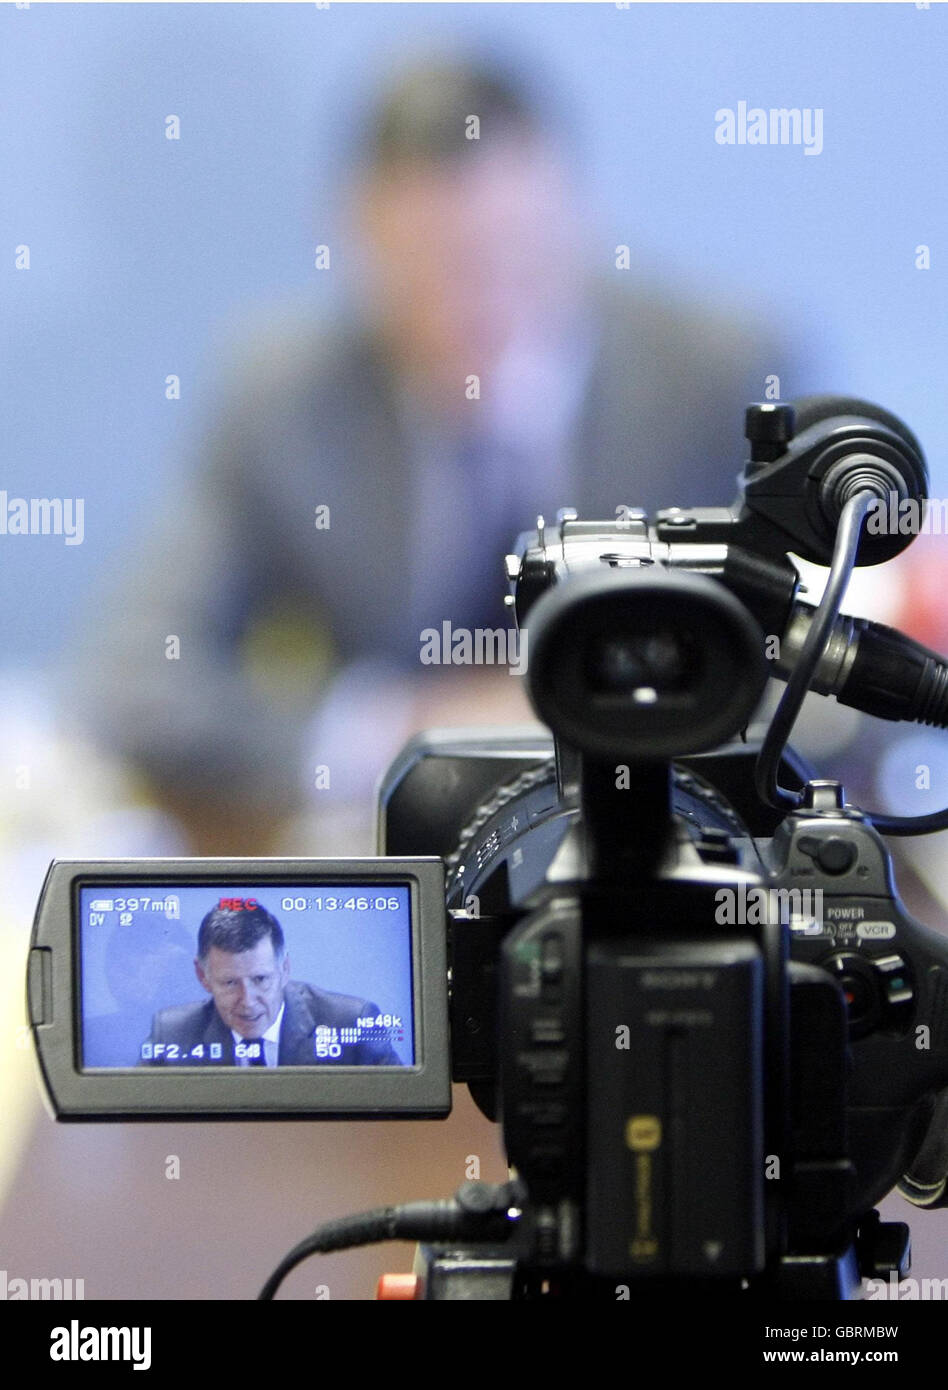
860, 986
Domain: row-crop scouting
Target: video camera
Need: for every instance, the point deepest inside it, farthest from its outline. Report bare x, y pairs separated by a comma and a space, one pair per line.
670, 963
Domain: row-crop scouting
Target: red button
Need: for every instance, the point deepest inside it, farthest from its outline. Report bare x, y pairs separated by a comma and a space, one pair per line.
403, 1286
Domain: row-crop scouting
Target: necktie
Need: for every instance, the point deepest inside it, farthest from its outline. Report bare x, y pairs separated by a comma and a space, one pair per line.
487, 482
260, 1060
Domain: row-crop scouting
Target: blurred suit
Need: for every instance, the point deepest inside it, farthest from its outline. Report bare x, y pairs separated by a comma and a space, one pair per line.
268, 607
306, 1008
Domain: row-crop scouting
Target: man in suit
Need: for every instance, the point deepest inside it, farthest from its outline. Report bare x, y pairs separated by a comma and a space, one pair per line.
257, 1016
363, 479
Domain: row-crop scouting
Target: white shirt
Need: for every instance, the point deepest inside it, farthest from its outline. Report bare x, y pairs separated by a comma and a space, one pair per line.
270, 1040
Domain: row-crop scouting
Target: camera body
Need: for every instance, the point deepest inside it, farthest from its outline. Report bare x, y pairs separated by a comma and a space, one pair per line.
711, 1033
761, 963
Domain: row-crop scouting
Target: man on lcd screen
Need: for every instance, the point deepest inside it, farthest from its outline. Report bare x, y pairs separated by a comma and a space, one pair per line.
258, 1016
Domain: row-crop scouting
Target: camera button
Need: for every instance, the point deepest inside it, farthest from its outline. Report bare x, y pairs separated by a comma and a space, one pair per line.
894, 978
836, 855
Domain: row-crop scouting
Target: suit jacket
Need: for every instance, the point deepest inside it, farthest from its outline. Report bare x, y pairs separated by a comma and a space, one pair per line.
266, 607
190, 1025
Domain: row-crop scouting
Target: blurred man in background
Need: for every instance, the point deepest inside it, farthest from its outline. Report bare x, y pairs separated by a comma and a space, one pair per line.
364, 479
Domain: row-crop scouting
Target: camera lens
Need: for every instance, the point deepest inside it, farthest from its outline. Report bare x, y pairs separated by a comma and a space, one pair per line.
644, 665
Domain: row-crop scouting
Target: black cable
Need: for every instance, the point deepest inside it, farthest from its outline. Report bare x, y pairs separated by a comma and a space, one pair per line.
785, 715
801, 677
478, 1211
908, 825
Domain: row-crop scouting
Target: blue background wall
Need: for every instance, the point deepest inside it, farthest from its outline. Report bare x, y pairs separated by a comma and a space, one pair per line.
149, 254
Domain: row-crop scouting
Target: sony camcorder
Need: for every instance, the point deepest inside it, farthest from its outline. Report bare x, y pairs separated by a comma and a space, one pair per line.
671, 963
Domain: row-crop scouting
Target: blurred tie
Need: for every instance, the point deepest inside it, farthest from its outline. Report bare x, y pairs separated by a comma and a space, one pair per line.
487, 476
481, 495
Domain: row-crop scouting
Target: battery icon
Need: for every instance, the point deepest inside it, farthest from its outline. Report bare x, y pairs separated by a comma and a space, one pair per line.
102, 905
